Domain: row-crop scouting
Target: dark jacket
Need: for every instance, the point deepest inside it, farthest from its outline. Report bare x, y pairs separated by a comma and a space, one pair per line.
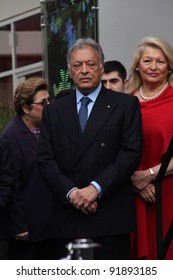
6, 187
108, 152
31, 207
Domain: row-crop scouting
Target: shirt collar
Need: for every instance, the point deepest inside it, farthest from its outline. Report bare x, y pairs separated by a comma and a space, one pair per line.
93, 95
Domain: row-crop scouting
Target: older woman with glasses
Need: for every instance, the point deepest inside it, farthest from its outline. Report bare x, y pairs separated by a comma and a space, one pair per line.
31, 210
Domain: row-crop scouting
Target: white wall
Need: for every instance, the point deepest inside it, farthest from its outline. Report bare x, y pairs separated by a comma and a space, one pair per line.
122, 23
11, 8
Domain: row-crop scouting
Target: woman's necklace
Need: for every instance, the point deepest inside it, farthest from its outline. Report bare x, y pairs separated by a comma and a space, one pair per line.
153, 96
35, 131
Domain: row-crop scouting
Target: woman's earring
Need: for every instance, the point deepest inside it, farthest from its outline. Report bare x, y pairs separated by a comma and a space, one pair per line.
27, 117
169, 71
137, 69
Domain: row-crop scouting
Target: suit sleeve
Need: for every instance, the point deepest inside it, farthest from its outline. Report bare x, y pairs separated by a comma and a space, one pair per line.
16, 206
48, 166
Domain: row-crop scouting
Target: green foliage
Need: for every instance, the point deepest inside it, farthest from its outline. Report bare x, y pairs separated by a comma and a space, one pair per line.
6, 114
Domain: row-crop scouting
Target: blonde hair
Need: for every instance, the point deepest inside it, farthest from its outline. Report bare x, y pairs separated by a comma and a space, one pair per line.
135, 80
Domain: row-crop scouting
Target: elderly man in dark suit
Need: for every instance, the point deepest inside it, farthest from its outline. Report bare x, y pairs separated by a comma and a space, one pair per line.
88, 167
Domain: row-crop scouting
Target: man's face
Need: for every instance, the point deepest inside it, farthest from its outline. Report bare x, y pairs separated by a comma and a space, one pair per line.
86, 69
113, 81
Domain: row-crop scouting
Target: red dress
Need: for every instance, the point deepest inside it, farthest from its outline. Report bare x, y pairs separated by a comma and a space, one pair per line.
157, 119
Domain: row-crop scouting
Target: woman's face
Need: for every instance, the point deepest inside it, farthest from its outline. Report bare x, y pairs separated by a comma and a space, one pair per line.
153, 66
41, 99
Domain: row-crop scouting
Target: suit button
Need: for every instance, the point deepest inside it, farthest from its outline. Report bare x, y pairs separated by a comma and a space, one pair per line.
103, 145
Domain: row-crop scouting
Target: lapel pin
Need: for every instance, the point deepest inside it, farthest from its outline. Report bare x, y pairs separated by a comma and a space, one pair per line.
109, 106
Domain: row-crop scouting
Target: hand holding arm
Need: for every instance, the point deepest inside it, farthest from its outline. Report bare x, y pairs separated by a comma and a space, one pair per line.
141, 179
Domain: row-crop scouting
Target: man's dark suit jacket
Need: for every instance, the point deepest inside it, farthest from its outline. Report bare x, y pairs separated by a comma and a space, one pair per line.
6, 187
31, 207
108, 152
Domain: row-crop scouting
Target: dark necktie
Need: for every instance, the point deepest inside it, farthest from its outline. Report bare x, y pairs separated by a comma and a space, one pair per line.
83, 112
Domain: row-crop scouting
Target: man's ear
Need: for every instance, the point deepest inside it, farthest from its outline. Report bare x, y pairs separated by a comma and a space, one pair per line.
102, 70
126, 83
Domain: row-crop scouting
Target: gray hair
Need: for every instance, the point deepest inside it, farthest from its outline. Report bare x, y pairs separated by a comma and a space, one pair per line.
82, 43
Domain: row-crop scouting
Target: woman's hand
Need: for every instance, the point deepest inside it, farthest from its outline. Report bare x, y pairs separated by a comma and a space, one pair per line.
141, 179
148, 194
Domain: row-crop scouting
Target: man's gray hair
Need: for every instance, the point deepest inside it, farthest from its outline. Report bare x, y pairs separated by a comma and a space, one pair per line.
82, 43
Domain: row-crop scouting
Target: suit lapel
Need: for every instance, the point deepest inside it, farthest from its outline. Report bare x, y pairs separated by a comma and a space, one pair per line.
67, 111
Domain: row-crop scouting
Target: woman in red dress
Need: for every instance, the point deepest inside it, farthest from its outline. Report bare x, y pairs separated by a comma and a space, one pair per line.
151, 80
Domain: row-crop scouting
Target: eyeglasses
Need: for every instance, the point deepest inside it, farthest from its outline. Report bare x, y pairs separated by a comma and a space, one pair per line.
43, 103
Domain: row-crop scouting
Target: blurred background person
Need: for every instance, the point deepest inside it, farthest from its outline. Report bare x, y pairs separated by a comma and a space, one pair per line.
151, 80
31, 208
6, 187
115, 76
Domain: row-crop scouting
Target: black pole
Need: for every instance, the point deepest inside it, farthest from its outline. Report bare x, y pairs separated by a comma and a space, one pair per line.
162, 245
